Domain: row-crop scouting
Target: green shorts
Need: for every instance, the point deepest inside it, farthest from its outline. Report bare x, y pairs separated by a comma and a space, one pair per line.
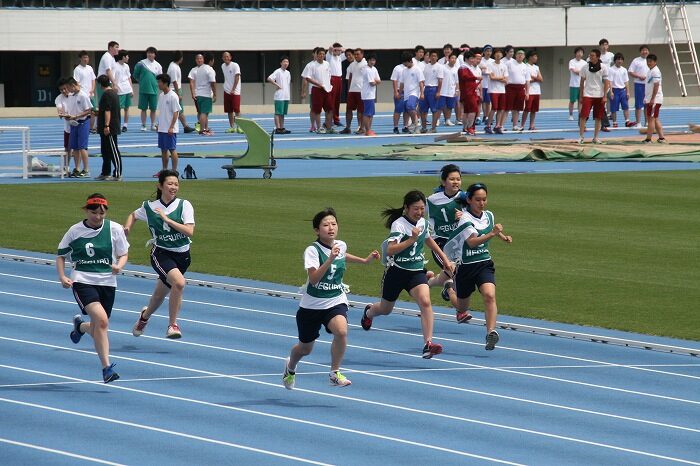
574, 94
281, 107
98, 93
147, 101
93, 102
125, 101
205, 104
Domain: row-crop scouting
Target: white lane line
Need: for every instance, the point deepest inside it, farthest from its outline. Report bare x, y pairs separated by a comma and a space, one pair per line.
244, 410
56, 452
358, 400
372, 349
405, 380
153, 428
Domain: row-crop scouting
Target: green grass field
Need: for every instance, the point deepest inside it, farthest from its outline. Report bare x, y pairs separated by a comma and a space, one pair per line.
614, 250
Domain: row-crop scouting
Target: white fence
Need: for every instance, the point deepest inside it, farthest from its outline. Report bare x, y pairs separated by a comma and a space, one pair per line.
30, 164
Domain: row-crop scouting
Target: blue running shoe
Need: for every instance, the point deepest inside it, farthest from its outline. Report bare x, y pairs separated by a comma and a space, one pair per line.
76, 334
108, 374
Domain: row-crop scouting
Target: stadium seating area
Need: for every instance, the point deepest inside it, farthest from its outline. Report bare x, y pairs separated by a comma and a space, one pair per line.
304, 4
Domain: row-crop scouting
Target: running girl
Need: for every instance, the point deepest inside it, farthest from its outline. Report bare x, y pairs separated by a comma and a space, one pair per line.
323, 300
98, 249
171, 222
444, 211
469, 246
403, 256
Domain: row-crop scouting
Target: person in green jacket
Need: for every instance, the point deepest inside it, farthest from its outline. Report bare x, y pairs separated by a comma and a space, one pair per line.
146, 72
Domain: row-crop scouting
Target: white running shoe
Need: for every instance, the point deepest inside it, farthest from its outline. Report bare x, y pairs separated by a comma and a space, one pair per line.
338, 379
288, 378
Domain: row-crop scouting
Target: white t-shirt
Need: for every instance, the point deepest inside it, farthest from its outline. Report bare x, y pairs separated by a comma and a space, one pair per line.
203, 77
187, 214
450, 81
593, 87
411, 79
396, 74
371, 75
120, 247
306, 73
168, 104
433, 74
607, 59
355, 69
78, 103
106, 63
85, 76
574, 67
284, 79
230, 72
518, 73
312, 260
419, 64
653, 77
639, 66
175, 74
534, 87
61, 102
321, 73
484, 65
618, 77
497, 70
121, 76
336, 63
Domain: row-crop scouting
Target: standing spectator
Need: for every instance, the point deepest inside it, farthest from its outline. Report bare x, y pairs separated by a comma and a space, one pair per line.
450, 88
575, 65
85, 75
399, 104
321, 95
232, 91
354, 76
61, 103
335, 58
446, 52
470, 91
282, 80
619, 82
486, 60
191, 76
306, 87
108, 126
594, 91
175, 73
434, 74
126, 89
106, 67
370, 80
412, 87
517, 87
532, 105
498, 76
349, 58
168, 127
638, 70
146, 72
203, 87
653, 98
79, 110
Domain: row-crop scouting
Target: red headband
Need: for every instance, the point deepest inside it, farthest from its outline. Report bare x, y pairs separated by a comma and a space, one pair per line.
96, 201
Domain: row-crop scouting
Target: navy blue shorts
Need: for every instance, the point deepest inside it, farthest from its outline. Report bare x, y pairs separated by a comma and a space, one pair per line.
163, 261
85, 294
369, 107
431, 102
411, 103
167, 141
450, 102
309, 321
619, 99
440, 242
471, 276
485, 96
78, 139
399, 105
396, 280
638, 95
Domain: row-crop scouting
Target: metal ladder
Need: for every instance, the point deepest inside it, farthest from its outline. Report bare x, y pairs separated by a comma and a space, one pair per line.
680, 41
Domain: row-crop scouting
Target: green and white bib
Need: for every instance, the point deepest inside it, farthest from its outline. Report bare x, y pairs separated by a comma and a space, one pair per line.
411, 258
164, 236
457, 248
441, 213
